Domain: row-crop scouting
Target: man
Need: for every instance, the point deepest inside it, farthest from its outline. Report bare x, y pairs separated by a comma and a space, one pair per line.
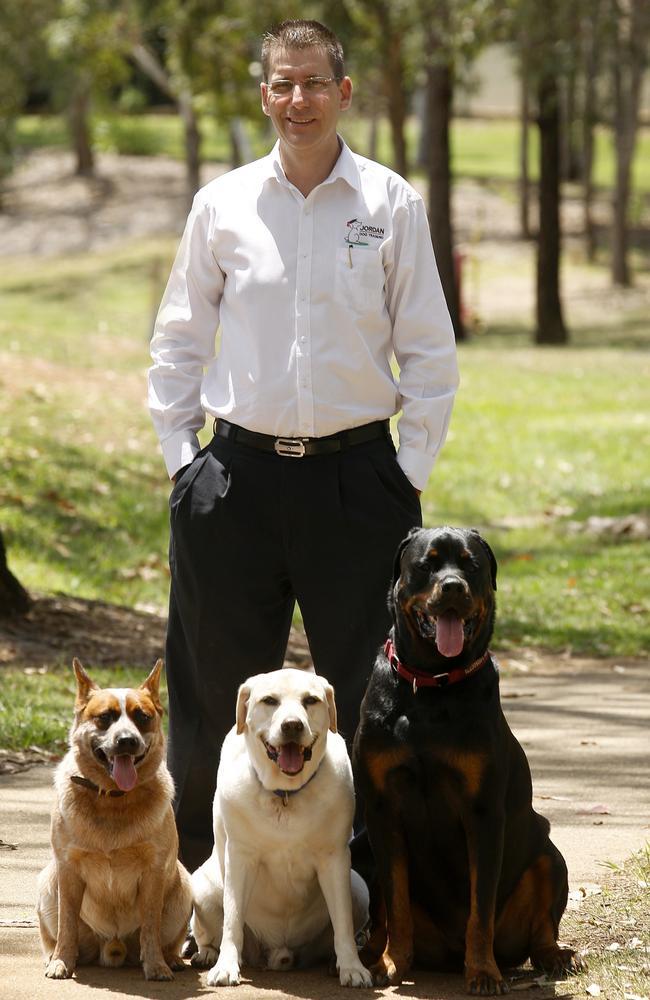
317, 266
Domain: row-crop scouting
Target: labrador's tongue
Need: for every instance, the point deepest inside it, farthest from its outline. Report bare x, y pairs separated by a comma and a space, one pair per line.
123, 772
449, 634
290, 758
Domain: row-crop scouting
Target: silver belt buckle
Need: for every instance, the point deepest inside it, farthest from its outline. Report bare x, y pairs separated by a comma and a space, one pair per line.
290, 447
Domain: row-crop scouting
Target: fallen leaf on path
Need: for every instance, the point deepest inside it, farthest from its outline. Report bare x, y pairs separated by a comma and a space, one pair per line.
4, 846
555, 798
598, 809
589, 889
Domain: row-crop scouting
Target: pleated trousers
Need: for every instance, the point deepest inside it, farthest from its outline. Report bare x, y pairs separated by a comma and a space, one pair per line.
251, 533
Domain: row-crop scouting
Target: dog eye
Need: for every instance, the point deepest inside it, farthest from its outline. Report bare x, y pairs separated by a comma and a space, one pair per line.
141, 718
310, 700
105, 719
270, 700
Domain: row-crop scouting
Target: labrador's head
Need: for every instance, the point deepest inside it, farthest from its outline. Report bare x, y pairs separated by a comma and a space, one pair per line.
285, 716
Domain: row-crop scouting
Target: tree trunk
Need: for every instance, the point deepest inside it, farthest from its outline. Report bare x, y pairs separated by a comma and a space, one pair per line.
393, 60
14, 599
590, 31
80, 133
629, 61
571, 154
550, 323
439, 98
240, 147
182, 97
192, 136
373, 130
524, 169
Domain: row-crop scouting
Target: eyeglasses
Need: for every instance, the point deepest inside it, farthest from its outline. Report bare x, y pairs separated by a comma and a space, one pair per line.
311, 84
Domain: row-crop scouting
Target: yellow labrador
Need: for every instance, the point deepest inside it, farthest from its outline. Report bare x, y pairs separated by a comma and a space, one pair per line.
278, 890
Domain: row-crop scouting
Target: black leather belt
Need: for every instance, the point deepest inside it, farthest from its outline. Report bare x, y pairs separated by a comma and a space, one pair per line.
302, 447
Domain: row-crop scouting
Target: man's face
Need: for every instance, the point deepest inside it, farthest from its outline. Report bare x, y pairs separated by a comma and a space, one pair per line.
304, 119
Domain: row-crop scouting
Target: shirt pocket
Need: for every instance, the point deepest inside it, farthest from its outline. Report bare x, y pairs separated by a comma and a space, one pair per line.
359, 279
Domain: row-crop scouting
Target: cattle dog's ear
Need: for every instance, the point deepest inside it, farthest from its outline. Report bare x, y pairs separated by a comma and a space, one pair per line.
331, 705
85, 686
152, 685
243, 697
490, 554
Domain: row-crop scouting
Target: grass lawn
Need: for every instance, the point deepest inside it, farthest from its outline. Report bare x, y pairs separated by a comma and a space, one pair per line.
541, 440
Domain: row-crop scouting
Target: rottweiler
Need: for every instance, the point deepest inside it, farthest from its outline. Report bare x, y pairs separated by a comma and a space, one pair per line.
466, 873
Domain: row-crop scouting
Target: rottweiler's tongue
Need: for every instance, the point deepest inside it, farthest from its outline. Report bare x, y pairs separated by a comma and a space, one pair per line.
123, 772
290, 758
449, 634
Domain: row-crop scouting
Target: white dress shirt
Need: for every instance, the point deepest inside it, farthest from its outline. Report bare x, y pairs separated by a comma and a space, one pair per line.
311, 298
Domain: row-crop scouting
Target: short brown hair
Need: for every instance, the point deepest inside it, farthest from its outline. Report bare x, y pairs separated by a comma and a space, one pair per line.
301, 34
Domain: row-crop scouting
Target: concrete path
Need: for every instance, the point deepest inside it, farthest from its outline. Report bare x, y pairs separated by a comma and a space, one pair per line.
585, 726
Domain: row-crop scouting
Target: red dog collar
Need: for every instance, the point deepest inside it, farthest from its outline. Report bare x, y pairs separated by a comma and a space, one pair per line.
419, 678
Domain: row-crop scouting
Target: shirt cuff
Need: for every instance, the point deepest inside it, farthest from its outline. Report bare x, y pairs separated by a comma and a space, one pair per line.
179, 450
416, 466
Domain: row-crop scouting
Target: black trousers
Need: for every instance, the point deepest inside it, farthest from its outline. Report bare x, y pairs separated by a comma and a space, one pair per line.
251, 533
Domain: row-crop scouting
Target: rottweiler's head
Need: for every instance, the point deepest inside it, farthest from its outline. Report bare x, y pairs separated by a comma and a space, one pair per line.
442, 595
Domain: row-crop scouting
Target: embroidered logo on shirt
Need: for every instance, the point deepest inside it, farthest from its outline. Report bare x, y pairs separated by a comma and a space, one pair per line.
359, 233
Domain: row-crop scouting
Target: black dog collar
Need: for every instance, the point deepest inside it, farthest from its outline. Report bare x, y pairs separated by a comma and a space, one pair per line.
284, 793
112, 793
420, 678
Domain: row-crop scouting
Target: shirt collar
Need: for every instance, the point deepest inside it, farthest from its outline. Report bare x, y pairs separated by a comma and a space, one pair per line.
345, 168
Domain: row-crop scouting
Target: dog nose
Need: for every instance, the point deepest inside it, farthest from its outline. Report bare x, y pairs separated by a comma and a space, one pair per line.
127, 744
453, 585
291, 727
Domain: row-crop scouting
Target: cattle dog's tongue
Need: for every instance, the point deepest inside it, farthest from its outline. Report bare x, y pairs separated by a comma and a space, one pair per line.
449, 634
123, 772
290, 758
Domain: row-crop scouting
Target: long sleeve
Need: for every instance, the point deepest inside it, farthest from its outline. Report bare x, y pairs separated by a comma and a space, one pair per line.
424, 344
183, 342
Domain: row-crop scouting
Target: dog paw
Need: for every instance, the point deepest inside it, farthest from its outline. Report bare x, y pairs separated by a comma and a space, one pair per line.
483, 984
205, 957
356, 976
175, 963
157, 971
385, 973
56, 968
557, 962
224, 973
